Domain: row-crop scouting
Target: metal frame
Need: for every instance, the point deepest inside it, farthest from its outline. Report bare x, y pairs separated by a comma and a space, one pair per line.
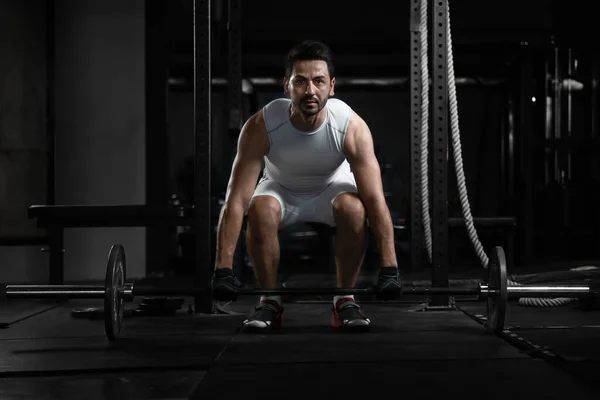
441, 223
416, 213
202, 155
157, 155
50, 106
55, 236
234, 84
440, 154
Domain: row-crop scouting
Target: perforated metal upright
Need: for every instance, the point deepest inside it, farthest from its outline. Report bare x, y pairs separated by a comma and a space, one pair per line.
202, 155
416, 124
234, 88
440, 154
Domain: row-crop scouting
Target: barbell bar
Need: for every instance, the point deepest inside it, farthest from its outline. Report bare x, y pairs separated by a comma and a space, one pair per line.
130, 291
541, 291
115, 291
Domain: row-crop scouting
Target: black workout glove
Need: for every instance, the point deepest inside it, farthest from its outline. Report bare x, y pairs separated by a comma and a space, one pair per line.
225, 285
388, 286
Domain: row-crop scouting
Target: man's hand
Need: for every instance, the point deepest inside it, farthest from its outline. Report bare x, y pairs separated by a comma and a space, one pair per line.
225, 285
389, 285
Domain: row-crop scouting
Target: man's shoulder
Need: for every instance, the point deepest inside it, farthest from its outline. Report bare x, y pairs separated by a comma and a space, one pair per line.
336, 103
275, 113
279, 103
339, 108
340, 112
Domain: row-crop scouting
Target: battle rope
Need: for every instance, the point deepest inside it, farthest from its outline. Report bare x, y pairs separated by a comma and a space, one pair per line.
425, 129
458, 162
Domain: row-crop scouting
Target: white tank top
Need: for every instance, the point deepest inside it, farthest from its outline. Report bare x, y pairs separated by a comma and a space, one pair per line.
305, 162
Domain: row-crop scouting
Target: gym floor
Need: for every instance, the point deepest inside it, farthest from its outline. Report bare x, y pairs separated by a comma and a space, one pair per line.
549, 352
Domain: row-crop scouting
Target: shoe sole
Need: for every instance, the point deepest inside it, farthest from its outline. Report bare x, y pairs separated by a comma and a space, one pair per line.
250, 327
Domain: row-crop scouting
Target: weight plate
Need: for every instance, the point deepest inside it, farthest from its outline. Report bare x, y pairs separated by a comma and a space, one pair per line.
113, 298
497, 282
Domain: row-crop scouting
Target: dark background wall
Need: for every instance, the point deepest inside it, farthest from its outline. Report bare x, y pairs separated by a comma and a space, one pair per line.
98, 122
100, 131
23, 145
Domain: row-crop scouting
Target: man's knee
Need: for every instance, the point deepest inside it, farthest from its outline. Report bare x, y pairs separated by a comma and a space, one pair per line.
264, 211
349, 207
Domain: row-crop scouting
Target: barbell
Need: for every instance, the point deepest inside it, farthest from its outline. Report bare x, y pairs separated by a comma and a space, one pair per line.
116, 291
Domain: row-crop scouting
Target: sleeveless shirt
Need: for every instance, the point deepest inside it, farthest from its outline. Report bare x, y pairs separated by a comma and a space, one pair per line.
305, 162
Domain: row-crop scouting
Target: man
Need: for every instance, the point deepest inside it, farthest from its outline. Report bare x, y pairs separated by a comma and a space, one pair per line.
319, 166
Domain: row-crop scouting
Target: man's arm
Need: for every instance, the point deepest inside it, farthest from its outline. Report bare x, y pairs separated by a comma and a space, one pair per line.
253, 145
358, 146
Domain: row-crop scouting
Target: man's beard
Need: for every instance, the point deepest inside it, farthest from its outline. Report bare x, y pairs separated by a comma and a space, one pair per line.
311, 110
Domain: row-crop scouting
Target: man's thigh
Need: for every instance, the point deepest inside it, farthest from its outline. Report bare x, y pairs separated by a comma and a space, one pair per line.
289, 205
320, 208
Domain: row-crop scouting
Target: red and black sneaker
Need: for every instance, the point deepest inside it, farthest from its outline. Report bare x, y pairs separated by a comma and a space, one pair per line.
266, 316
347, 314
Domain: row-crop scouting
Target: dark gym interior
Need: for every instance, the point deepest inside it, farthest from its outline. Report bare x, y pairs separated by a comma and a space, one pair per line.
119, 124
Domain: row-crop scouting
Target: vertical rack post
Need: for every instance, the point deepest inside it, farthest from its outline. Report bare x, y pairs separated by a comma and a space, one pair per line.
202, 155
440, 151
416, 124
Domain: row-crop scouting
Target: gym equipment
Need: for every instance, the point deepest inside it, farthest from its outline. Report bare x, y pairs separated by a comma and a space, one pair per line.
115, 292
496, 305
113, 300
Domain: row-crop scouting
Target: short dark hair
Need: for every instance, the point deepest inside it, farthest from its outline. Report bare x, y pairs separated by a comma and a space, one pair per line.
309, 50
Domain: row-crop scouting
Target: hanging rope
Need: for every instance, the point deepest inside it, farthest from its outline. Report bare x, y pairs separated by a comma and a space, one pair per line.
458, 162
425, 129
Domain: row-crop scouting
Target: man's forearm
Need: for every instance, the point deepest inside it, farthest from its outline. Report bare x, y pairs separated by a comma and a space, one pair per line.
381, 225
228, 232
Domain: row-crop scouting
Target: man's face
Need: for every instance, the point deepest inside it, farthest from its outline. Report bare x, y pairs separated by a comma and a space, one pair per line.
309, 86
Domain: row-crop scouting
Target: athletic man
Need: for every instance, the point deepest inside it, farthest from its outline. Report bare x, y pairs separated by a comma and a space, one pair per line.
319, 166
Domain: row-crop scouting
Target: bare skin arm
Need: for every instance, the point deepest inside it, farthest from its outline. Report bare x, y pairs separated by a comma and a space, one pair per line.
253, 145
359, 148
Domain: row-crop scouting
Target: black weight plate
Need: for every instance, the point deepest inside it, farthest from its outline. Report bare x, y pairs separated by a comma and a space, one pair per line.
497, 282
113, 299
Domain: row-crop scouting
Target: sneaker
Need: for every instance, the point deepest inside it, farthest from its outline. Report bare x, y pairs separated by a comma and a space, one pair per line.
347, 315
266, 315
